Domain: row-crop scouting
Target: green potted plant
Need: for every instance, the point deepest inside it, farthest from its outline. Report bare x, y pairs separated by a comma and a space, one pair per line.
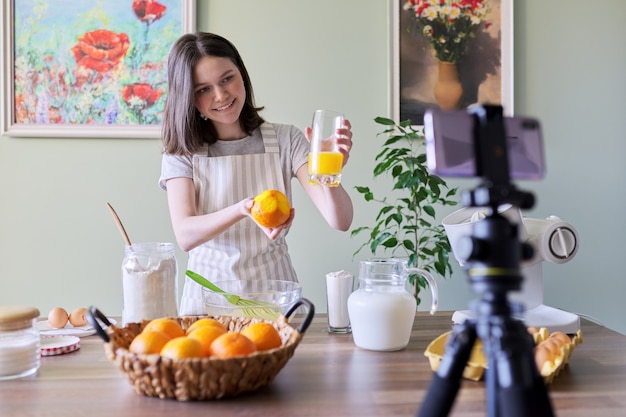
406, 226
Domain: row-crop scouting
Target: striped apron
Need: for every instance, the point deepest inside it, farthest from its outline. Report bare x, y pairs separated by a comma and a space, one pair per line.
242, 251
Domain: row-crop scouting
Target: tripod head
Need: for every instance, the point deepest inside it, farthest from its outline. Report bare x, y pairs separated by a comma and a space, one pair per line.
494, 251
491, 160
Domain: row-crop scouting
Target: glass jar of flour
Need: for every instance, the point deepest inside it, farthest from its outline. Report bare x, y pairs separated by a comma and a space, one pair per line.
149, 281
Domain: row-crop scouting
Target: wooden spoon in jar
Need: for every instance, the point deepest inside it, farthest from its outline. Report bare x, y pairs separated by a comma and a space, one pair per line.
120, 226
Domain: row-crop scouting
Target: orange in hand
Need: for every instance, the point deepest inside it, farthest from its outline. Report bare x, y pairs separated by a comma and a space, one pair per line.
168, 326
263, 335
232, 344
271, 208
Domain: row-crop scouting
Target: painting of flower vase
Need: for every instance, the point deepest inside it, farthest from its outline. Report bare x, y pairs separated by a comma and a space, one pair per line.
451, 54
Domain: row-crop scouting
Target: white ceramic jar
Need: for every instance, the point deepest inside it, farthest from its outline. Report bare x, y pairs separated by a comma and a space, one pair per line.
19, 342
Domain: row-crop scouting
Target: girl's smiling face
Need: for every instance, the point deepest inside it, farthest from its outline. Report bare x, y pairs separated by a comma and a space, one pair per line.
220, 95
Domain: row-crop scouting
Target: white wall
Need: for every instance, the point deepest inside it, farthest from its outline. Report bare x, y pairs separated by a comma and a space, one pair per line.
59, 245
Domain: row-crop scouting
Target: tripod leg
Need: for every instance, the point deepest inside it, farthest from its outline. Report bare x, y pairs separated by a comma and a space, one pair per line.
447, 381
519, 388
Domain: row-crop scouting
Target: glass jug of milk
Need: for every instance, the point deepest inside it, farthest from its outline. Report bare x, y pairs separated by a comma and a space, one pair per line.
382, 310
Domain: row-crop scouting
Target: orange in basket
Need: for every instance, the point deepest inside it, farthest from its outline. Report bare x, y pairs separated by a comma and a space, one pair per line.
263, 335
182, 348
168, 326
206, 335
204, 323
148, 342
271, 208
232, 344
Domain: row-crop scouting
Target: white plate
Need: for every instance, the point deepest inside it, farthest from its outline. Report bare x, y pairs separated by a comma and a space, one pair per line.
58, 345
45, 329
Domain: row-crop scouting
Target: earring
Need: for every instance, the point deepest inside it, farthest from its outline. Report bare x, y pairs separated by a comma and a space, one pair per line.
203, 117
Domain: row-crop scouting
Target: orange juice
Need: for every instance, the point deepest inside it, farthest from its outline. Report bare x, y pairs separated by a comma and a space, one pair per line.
328, 163
325, 168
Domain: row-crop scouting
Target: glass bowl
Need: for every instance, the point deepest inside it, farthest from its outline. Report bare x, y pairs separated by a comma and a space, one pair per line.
266, 299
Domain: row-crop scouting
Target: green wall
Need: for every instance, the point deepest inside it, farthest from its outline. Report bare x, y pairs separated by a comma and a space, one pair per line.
59, 245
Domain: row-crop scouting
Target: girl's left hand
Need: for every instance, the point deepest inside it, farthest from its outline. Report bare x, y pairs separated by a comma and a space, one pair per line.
344, 140
274, 232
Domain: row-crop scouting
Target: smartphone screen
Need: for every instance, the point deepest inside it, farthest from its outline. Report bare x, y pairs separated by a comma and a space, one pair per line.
450, 146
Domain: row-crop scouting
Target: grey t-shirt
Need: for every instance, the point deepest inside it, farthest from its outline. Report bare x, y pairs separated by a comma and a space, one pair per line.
293, 149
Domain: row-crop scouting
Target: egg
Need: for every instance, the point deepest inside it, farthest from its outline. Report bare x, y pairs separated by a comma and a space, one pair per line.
554, 346
561, 337
78, 317
58, 317
543, 356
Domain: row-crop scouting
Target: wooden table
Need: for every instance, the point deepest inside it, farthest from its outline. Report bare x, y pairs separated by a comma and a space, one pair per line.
327, 376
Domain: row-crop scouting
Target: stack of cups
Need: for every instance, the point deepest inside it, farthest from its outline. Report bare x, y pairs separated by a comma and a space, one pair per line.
339, 286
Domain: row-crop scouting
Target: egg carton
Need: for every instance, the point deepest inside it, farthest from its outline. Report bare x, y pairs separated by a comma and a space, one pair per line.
552, 353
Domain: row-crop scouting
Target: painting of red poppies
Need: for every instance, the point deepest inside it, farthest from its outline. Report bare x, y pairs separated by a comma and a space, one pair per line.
91, 68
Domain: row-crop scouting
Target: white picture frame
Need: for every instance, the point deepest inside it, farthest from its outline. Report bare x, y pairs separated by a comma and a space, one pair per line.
128, 121
409, 100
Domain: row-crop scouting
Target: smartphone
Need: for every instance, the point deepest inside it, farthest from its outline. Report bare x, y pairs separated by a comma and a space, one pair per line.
450, 144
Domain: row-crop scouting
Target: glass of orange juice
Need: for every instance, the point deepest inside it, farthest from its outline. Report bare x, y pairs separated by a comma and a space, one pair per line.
325, 160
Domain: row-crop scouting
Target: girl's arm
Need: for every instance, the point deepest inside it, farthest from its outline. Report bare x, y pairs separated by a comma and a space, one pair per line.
192, 230
333, 203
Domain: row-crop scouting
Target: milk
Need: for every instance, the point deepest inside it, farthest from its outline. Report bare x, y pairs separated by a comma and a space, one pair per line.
339, 286
381, 318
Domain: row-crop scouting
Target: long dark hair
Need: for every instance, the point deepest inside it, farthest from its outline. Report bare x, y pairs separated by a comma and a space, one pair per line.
184, 131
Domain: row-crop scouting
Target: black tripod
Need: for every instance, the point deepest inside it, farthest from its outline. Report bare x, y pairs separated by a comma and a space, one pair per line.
493, 253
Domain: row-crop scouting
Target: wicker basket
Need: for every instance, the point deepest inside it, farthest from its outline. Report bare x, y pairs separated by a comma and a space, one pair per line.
199, 378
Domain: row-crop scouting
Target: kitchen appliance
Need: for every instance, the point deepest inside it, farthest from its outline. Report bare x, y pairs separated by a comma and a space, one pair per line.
553, 240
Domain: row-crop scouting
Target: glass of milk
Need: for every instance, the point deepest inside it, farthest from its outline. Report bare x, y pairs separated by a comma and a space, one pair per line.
339, 286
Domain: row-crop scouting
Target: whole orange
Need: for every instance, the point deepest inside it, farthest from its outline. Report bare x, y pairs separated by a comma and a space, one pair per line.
206, 335
263, 335
168, 326
182, 348
205, 322
271, 208
151, 341
232, 344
